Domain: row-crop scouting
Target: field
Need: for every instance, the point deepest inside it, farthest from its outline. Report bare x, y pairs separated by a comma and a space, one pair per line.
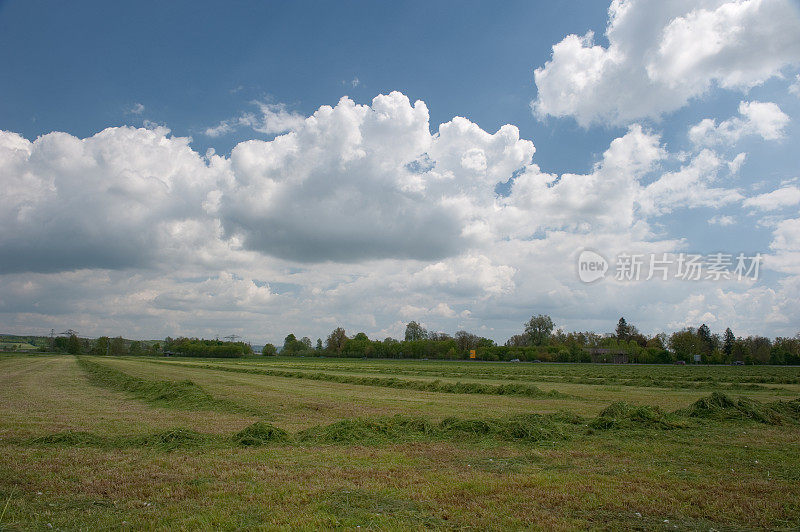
303, 443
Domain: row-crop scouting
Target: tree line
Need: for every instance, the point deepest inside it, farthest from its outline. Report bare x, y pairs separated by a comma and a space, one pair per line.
539, 342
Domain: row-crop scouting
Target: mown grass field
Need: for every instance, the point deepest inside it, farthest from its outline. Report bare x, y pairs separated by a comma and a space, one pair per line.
141, 443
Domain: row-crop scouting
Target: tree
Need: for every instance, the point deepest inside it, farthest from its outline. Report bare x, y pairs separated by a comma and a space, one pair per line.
101, 346
518, 340
118, 346
623, 332
685, 344
415, 331
73, 345
538, 329
727, 343
659, 341
291, 345
306, 341
319, 344
758, 348
135, 348
269, 350
466, 341
704, 333
336, 340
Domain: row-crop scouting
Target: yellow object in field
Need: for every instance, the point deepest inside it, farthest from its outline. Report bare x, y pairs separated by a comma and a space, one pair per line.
471, 353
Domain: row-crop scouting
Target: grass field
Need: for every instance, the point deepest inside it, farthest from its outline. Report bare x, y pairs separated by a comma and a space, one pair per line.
141, 443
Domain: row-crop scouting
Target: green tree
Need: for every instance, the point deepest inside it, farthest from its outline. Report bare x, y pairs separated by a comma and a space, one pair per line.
291, 345
101, 346
519, 340
623, 332
336, 340
466, 341
659, 341
704, 333
685, 344
758, 348
118, 346
73, 345
269, 350
727, 343
415, 331
319, 344
539, 328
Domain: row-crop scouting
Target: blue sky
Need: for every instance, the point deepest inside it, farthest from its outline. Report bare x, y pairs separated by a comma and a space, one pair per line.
298, 224
79, 67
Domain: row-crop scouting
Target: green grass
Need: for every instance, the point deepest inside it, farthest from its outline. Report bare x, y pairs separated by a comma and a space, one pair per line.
99, 443
404, 384
173, 394
659, 376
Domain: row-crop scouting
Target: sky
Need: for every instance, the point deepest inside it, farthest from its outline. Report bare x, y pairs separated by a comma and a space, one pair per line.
206, 169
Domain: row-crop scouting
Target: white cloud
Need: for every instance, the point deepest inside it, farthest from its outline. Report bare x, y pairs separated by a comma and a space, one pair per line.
344, 186
777, 199
662, 54
273, 118
785, 246
758, 118
690, 186
722, 220
107, 201
736, 164
359, 217
136, 109
225, 292
223, 128
794, 88
603, 199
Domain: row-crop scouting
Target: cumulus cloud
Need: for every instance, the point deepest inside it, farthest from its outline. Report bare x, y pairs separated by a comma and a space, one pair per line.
225, 292
764, 119
690, 186
347, 185
662, 54
603, 199
273, 118
785, 247
777, 199
107, 201
359, 216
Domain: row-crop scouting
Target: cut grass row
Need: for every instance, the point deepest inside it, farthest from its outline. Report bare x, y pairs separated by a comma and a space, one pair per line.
709, 377
183, 394
521, 390
527, 428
